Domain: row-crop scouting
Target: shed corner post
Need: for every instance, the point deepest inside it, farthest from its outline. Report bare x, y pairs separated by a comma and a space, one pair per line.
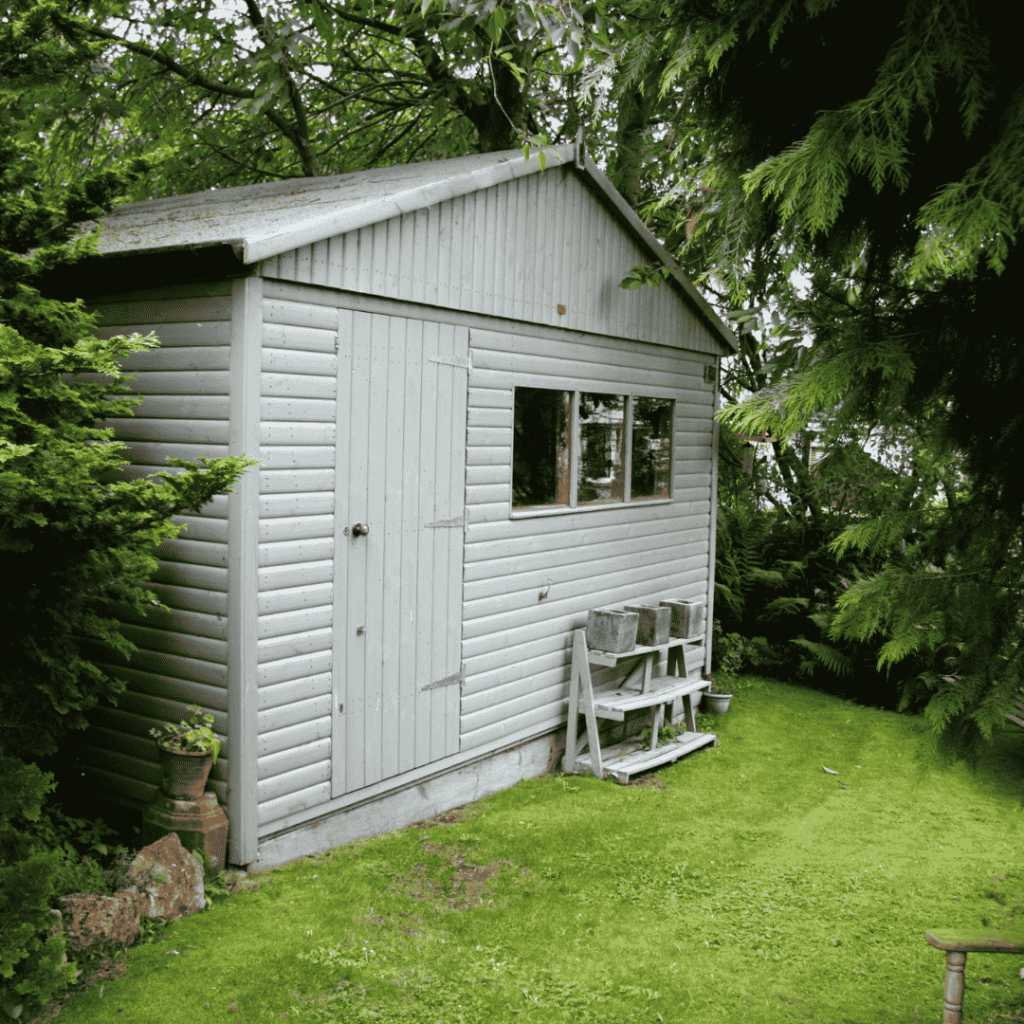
713, 529
243, 540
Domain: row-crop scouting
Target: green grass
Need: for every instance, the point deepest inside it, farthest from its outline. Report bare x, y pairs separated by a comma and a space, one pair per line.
752, 886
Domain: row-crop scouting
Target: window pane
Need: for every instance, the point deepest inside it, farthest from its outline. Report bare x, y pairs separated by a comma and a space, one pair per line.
651, 471
602, 444
540, 447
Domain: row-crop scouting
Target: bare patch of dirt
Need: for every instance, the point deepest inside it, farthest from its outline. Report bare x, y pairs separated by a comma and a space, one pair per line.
649, 779
468, 885
449, 817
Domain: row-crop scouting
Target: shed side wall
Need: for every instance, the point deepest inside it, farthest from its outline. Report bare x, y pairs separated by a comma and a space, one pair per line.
183, 651
298, 414
518, 250
516, 647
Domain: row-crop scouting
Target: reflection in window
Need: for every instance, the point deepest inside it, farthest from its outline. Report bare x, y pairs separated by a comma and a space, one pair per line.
652, 448
600, 460
540, 448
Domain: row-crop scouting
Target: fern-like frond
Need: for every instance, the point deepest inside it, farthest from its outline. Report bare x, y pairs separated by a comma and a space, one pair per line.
834, 660
783, 606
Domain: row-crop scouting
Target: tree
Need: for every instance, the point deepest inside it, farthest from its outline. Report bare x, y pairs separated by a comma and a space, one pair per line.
877, 147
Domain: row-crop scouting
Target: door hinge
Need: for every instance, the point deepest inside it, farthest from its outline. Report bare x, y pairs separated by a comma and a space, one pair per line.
455, 677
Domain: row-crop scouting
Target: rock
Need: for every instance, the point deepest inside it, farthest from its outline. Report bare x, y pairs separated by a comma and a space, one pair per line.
88, 918
169, 878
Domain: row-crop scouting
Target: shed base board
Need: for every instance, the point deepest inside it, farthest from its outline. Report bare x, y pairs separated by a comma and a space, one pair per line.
403, 807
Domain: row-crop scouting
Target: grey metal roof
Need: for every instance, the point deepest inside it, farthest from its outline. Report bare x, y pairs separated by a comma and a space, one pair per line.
261, 221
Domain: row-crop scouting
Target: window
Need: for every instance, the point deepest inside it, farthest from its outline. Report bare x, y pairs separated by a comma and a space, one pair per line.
580, 449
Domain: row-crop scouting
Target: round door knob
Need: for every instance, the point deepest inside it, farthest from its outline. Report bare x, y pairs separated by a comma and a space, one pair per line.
360, 530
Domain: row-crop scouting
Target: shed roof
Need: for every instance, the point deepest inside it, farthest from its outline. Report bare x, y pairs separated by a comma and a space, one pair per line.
265, 220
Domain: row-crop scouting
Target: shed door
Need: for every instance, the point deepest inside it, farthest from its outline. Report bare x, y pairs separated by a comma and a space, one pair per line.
400, 474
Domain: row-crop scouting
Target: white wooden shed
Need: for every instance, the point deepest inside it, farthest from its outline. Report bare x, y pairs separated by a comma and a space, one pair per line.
421, 357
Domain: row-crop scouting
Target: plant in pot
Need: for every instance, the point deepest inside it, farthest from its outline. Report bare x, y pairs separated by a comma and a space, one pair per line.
717, 698
188, 750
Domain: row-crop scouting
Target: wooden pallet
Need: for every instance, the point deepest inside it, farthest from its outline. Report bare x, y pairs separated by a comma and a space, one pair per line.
636, 692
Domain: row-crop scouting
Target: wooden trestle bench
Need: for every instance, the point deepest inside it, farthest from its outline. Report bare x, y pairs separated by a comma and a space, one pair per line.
957, 945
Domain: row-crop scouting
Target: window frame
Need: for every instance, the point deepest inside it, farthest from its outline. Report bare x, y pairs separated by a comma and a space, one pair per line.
534, 511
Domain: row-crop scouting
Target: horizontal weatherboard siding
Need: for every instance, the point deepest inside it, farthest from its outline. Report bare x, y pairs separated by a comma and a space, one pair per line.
516, 646
182, 656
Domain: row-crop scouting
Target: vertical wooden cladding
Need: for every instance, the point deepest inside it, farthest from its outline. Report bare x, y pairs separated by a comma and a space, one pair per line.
183, 650
363, 422
296, 573
518, 250
398, 607
515, 645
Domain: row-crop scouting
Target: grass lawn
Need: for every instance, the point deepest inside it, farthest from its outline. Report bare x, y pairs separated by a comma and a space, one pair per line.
741, 883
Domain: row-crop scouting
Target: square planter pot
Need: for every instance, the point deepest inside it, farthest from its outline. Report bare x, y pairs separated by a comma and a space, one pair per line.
655, 623
687, 617
612, 631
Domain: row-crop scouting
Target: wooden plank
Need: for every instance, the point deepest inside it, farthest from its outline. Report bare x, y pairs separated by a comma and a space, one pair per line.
313, 549
391, 469
293, 385
291, 433
180, 431
443, 665
285, 304
172, 382
292, 645
489, 417
624, 760
307, 410
279, 809
298, 620
186, 645
272, 602
200, 552
272, 722
199, 407
294, 747
215, 332
488, 475
290, 782
410, 542
193, 357
427, 488
206, 577
296, 574
303, 503
309, 663
241, 654
178, 620
295, 480
292, 691
296, 457
456, 538
171, 310
709, 600
190, 598
340, 709
290, 361
208, 528
356, 552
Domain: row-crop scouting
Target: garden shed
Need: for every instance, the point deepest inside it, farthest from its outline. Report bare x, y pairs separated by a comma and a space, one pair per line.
468, 435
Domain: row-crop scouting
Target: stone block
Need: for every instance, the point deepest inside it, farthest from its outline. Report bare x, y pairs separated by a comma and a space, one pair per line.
612, 631
655, 623
170, 878
88, 919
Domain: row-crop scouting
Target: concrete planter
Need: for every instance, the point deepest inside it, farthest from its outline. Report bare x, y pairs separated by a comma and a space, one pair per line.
655, 623
718, 702
185, 772
687, 617
612, 631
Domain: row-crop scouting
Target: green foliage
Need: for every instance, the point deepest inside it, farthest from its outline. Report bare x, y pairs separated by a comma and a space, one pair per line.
191, 735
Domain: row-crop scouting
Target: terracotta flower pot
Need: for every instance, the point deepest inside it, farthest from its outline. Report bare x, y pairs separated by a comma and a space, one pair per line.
185, 772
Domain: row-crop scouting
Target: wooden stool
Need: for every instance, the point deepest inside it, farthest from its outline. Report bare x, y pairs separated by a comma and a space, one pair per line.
957, 945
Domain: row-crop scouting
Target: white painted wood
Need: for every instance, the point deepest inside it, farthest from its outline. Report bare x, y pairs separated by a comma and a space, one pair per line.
281, 528
298, 385
305, 410
170, 310
178, 431
283, 506
199, 407
190, 598
283, 481
246, 328
310, 595
288, 552
283, 750
292, 645
295, 574
297, 620
305, 665
177, 620
176, 335
300, 778
296, 692
195, 358
271, 721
